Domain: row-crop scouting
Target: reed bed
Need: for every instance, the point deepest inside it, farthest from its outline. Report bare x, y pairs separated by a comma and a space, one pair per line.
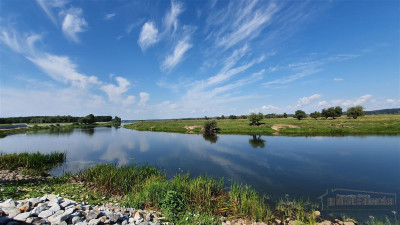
34, 161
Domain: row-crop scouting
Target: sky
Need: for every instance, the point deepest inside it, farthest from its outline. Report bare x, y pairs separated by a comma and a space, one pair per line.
179, 59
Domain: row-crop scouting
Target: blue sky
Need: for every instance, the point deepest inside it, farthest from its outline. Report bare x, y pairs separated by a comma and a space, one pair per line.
173, 59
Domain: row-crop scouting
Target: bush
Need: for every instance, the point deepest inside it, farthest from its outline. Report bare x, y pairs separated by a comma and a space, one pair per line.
300, 114
255, 118
355, 111
315, 114
173, 204
210, 126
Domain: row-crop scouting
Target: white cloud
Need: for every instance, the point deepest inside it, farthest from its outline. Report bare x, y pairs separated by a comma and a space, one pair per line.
337, 79
148, 36
144, 97
390, 100
269, 107
114, 92
357, 101
47, 8
109, 16
176, 57
62, 69
130, 100
73, 24
307, 100
171, 18
322, 103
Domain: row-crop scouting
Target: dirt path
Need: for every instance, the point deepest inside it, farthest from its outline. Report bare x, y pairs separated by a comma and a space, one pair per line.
276, 127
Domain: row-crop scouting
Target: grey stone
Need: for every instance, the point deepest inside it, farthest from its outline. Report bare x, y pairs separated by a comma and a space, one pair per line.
37, 210
11, 211
82, 223
32, 220
94, 222
53, 202
91, 216
46, 213
113, 217
8, 204
76, 219
22, 216
55, 207
34, 201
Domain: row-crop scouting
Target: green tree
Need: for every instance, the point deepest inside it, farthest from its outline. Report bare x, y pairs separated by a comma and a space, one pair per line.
300, 114
315, 114
338, 111
232, 117
210, 126
284, 115
255, 118
355, 111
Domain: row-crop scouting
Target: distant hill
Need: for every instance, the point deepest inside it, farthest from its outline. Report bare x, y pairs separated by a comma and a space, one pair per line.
383, 111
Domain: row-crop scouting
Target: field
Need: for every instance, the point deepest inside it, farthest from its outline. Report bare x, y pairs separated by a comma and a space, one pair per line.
367, 125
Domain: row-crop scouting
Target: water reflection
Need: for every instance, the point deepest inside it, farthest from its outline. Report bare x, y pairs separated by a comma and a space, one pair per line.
256, 142
210, 137
89, 131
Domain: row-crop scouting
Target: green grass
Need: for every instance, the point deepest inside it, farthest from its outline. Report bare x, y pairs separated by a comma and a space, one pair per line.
32, 163
367, 125
147, 187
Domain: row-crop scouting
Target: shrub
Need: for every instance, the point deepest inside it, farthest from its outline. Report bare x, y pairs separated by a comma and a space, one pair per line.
300, 114
210, 126
173, 204
355, 111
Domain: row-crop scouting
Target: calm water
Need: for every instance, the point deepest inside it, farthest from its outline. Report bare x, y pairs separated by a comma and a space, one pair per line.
298, 166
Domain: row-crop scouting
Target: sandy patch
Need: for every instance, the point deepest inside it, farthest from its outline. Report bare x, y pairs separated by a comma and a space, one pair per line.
192, 127
276, 127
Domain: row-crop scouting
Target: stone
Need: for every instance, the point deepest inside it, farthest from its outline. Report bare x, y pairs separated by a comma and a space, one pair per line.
76, 219
317, 213
26, 207
82, 223
37, 210
34, 201
56, 207
348, 223
63, 223
113, 217
11, 211
278, 221
22, 216
91, 216
138, 216
8, 204
46, 214
32, 220
94, 222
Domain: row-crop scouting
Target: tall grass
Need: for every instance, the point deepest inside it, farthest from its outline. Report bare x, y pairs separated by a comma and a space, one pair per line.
148, 187
35, 161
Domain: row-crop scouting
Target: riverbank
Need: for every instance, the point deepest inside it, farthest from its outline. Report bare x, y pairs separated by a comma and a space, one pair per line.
367, 125
63, 127
181, 199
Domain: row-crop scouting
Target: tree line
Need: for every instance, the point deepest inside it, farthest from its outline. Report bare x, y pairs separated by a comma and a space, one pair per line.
89, 119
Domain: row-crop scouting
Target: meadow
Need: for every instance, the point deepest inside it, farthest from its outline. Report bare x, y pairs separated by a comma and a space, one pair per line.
366, 125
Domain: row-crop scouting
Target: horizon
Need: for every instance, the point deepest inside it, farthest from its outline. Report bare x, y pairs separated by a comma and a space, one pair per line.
176, 59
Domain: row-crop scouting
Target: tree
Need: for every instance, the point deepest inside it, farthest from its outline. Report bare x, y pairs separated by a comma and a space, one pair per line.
117, 120
338, 111
232, 117
256, 142
255, 118
355, 111
284, 115
315, 114
300, 114
222, 117
210, 126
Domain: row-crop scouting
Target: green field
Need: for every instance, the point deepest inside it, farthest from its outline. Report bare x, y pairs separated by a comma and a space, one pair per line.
374, 124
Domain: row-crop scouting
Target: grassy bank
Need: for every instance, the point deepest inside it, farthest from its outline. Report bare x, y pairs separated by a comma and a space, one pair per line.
62, 127
31, 163
374, 124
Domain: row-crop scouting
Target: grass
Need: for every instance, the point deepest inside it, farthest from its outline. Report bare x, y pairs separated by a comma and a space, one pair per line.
366, 125
147, 187
32, 163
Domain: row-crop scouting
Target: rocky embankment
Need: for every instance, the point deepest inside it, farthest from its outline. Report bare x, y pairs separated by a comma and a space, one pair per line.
52, 209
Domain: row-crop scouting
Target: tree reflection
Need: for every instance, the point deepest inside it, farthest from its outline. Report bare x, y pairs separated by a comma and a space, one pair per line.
256, 141
211, 137
88, 131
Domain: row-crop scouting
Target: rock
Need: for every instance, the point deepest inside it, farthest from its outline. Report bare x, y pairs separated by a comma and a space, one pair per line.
26, 207
348, 223
76, 219
125, 222
34, 201
11, 211
94, 222
66, 204
56, 207
32, 220
8, 204
138, 217
325, 222
91, 216
113, 217
82, 223
63, 223
37, 210
22, 216
278, 221
46, 213
317, 213
55, 217
291, 222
